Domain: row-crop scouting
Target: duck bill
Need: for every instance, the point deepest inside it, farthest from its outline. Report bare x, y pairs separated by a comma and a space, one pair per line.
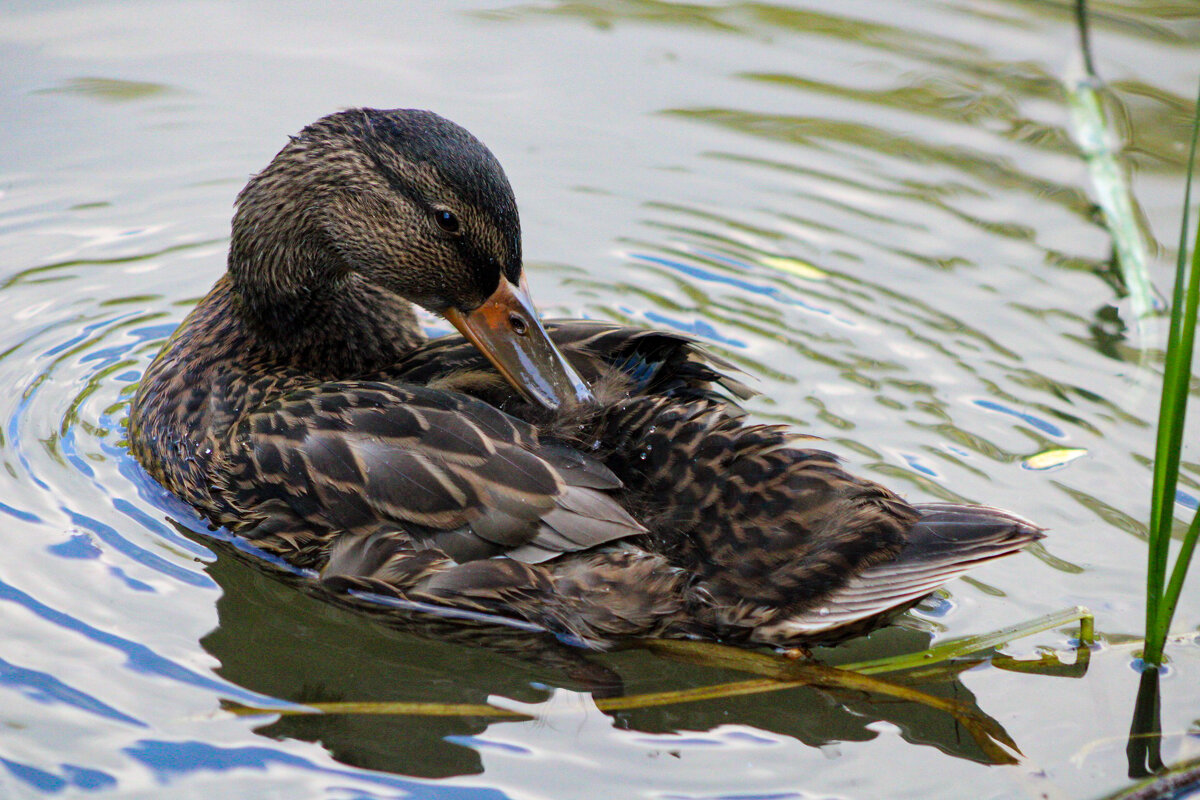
507, 329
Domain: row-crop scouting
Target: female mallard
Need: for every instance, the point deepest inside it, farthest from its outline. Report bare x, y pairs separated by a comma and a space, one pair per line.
616, 492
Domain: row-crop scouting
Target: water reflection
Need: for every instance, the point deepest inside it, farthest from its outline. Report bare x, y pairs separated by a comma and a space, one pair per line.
278, 640
1144, 749
287, 644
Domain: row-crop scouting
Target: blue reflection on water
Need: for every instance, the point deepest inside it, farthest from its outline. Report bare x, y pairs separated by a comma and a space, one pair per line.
37, 778
158, 528
90, 779
26, 516
41, 687
79, 777
171, 759
771, 796
479, 743
152, 332
696, 327
919, 465
936, 606
78, 546
1042, 425
112, 538
715, 277
83, 335
772, 292
107, 355
140, 658
130, 581
14, 436
67, 442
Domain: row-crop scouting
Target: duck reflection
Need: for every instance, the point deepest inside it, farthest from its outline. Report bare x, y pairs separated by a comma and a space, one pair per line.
277, 639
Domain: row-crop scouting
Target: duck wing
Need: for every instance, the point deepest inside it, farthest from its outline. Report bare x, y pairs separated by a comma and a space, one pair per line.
785, 544
417, 468
652, 362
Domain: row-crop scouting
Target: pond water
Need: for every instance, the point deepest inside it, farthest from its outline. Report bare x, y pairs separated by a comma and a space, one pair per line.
874, 208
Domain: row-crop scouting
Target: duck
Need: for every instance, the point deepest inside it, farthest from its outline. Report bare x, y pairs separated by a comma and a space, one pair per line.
597, 481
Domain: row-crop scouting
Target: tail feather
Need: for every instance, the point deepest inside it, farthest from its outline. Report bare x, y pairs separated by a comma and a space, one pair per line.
946, 541
946, 529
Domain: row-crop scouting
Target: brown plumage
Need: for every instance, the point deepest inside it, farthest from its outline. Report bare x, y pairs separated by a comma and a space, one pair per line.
596, 480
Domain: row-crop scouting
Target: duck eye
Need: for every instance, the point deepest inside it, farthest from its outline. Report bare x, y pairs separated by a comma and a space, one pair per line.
446, 220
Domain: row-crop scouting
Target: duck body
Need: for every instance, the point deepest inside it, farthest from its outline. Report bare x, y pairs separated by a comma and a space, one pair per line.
596, 480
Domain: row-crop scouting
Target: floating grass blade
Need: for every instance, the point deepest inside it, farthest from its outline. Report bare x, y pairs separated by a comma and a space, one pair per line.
779, 673
974, 644
988, 734
1161, 600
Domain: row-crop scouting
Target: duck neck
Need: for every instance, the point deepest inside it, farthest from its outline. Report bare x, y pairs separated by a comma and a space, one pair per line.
329, 332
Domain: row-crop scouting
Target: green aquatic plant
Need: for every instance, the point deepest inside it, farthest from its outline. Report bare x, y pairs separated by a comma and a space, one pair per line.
1162, 596
1099, 141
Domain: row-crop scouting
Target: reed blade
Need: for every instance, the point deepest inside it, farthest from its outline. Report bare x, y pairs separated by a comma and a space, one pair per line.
1161, 597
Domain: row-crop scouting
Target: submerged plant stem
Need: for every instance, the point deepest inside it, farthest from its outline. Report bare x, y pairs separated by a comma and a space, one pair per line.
782, 673
1099, 144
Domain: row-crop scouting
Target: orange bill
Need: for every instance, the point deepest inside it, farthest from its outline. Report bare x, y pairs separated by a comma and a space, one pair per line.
507, 329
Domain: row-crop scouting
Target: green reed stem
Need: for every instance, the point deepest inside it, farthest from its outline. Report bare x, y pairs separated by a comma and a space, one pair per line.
1177, 373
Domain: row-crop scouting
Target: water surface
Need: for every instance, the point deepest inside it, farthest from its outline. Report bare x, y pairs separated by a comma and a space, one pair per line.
875, 209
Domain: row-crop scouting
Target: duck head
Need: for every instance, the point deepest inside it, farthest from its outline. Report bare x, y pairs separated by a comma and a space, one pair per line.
369, 208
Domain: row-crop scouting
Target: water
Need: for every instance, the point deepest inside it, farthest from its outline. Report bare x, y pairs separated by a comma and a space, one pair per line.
873, 208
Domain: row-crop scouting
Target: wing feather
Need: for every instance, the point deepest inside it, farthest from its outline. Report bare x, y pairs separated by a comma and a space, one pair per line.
450, 472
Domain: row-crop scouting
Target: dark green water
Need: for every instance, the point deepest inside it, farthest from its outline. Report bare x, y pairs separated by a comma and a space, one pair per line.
874, 208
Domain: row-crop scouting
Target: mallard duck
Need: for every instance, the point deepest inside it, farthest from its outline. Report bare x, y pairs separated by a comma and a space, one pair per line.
595, 480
